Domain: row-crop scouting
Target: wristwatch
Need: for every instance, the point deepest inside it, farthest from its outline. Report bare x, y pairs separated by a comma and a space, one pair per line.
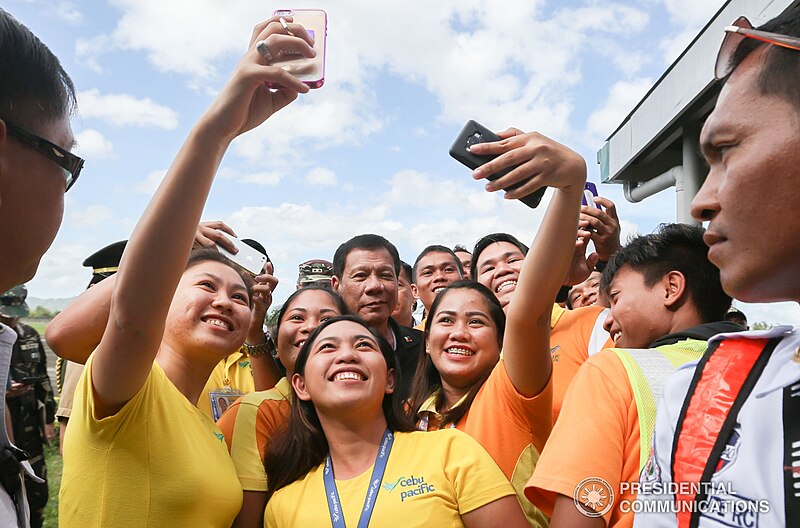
267, 347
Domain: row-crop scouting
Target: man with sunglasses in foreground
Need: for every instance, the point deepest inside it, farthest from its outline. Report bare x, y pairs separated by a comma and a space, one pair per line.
726, 449
36, 168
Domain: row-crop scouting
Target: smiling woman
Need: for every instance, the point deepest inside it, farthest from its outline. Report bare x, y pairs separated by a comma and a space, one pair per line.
347, 436
462, 382
138, 452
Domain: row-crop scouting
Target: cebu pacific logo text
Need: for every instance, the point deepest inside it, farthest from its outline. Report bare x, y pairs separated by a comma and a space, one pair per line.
409, 487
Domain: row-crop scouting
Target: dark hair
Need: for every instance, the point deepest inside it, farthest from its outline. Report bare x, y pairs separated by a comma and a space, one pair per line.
437, 249
337, 300
427, 379
35, 90
488, 240
674, 247
365, 242
208, 254
781, 67
405, 266
459, 247
300, 445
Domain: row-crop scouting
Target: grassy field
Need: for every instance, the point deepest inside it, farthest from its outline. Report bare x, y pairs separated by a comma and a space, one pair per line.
53, 484
39, 326
52, 457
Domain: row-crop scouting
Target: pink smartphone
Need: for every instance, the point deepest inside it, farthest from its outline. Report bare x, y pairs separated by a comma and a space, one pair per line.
310, 71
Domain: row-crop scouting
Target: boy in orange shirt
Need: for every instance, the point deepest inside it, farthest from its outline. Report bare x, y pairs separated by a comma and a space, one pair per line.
665, 295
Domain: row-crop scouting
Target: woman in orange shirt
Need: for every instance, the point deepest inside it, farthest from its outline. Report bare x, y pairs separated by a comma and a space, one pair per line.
462, 381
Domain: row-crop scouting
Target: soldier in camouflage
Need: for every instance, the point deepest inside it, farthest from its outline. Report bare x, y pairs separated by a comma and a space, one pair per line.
30, 398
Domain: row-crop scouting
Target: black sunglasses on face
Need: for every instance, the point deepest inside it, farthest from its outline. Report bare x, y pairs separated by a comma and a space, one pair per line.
70, 164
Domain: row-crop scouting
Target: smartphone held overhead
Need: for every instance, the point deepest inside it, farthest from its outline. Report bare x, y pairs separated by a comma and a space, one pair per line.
473, 133
247, 257
589, 194
311, 71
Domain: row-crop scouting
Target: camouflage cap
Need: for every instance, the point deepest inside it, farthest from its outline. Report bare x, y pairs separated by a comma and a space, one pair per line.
315, 270
12, 302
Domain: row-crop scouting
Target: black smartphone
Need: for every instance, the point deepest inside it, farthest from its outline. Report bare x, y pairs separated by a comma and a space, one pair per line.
30, 380
472, 133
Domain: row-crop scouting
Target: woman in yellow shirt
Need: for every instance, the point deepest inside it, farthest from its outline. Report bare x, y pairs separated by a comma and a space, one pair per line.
347, 459
139, 452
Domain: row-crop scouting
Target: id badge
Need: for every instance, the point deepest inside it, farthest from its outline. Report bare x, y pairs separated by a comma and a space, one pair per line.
221, 399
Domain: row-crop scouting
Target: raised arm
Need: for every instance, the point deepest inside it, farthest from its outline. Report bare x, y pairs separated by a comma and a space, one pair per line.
159, 247
526, 346
76, 331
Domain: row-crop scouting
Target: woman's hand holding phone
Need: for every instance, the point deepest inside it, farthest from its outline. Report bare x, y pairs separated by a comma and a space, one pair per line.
541, 161
245, 102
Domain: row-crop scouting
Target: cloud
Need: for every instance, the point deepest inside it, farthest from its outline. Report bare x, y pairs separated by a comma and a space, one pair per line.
91, 216
66, 12
622, 97
327, 118
321, 176
478, 59
417, 190
125, 110
295, 232
89, 50
150, 183
267, 178
692, 15
91, 144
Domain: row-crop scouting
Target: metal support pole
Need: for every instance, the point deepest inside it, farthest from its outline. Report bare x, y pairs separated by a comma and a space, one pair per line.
688, 182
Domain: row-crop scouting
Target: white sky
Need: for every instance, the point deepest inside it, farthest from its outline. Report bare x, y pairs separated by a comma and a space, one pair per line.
368, 151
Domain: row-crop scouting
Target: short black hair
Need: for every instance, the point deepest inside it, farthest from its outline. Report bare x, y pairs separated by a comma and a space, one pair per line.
405, 266
435, 248
366, 242
460, 247
488, 240
674, 247
780, 70
35, 90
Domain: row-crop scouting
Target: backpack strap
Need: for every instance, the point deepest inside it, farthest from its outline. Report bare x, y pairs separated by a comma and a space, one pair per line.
722, 382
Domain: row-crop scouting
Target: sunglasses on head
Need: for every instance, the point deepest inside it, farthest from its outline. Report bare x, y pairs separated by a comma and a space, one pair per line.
740, 29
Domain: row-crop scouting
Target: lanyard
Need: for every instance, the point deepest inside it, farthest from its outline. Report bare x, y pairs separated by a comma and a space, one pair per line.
334, 504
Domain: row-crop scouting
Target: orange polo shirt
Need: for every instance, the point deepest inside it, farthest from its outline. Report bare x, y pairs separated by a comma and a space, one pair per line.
248, 425
597, 435
574, 336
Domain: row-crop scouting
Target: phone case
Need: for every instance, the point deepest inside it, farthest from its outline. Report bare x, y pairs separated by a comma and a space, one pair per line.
472, 133
589, 192
310, 71
249, 258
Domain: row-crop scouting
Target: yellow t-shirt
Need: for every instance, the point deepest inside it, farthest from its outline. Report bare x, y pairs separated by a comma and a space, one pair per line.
431, 479
236, 370
159, 461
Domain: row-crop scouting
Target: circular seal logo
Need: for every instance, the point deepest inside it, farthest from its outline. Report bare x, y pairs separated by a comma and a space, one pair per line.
593, 497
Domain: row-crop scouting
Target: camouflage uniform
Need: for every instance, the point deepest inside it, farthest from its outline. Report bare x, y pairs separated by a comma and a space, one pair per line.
31, 411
